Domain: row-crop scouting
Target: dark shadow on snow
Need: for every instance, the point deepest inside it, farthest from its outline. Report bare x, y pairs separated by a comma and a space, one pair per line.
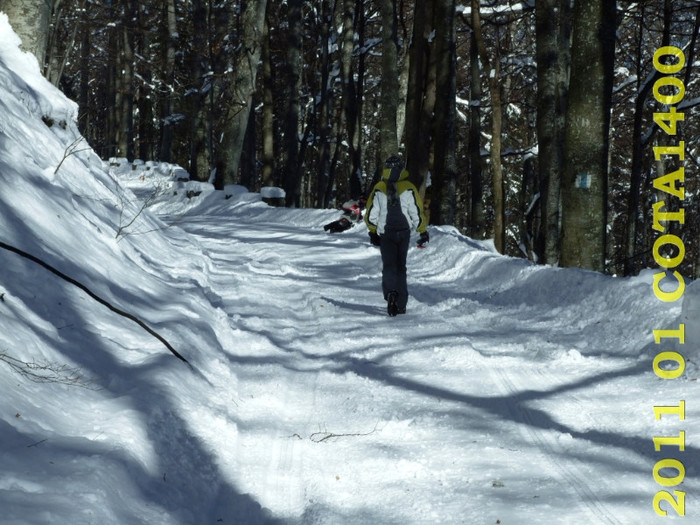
189, 477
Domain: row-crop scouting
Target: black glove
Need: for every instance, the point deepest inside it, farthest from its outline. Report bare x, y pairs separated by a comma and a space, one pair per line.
424, 238
375, 239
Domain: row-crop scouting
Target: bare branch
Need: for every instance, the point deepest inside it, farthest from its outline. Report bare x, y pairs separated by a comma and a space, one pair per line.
48, 372
72, 149
319, 437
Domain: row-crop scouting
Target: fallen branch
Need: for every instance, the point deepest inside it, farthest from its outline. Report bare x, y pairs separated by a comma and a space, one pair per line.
94, 296
318, 437
47, 372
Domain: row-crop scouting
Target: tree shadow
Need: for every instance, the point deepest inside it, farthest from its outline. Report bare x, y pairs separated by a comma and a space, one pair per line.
514, 407
189, 481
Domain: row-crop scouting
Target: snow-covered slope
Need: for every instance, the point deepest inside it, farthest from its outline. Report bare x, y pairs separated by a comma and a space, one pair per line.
509, 393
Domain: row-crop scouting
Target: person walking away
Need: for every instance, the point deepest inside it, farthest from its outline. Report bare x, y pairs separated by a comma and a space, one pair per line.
394, 210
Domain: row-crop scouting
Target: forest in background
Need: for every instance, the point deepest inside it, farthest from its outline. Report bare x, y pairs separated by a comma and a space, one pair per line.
531, 123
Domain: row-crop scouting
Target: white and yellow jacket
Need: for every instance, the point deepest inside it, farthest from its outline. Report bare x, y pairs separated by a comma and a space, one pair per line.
409, 200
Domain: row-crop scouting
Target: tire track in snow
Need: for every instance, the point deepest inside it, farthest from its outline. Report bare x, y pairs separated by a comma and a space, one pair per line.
567, 467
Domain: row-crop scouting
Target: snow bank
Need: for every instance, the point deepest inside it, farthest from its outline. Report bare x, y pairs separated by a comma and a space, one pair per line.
89, 428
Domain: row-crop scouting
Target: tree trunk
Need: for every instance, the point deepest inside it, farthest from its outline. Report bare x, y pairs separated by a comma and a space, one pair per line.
584, 182
552, 40
112, 97
689, 72
125, 109
169, 36
240, 97
444, 175
292, 74
324, 123
477, 226
389, 144
527, 191
195, 100
146, 130
643, 89
85, 107
248, 153
30, 20
268, 114
420, 99
58, 53
352, 14
494, 73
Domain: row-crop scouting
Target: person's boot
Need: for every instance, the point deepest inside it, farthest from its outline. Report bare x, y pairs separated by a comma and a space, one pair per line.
391, 307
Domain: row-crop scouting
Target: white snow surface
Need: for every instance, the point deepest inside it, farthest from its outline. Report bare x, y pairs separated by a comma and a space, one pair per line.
509, 393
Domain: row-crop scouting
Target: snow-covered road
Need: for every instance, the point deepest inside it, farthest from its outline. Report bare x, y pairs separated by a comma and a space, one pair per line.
508, 394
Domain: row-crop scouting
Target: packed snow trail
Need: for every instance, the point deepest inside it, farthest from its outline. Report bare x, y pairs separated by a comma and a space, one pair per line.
494, 387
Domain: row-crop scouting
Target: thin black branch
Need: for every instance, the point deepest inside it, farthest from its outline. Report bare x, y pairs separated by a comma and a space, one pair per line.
94, 296
319, 437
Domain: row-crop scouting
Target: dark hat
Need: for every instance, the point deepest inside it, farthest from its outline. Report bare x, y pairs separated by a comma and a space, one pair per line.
393, 162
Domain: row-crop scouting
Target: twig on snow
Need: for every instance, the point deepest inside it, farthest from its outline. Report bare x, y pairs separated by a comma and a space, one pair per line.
319, 437
47, 372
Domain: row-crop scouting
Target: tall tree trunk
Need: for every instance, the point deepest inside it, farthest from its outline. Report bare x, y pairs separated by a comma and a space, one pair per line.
237, 112
169, 37
352, 16
633, 200
444, 175
112, 96
494, 74
403, 90
527, 191
584, 182
477, 222
58, 53
268, 114
420, 100
324, 123
195, 101
248, 153
389, 98
689, 72
292, 74
552, 42
30, 20
125, 107
146, 130
86, 111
